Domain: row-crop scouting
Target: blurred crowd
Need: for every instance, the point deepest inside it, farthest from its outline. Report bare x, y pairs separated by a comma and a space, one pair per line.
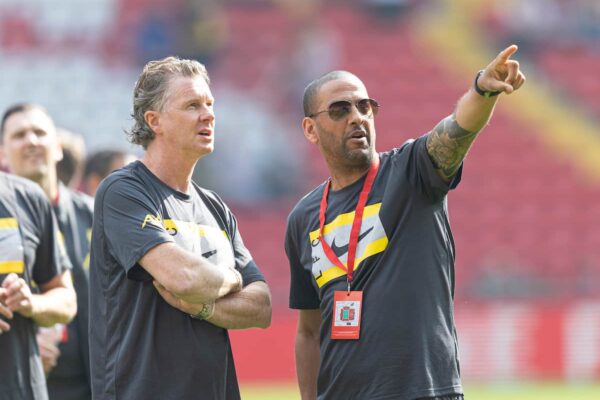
258, 100
543, 24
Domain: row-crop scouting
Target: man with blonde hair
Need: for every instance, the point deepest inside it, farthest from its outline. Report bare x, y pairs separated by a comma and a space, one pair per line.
170, 272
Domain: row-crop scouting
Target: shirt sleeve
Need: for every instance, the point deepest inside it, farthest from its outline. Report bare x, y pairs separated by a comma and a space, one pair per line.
132, 224
413, 159
303, 294
50, 257
244, 262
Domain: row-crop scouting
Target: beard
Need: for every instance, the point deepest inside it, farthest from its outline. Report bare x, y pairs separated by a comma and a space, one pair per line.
346, 156
357, 158
347, 153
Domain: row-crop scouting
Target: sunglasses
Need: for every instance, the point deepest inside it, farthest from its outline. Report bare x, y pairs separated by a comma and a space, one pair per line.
340, 109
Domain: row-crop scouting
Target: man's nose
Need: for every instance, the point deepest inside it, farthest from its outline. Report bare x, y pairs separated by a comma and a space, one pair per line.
31, 138
207, 114
355, 116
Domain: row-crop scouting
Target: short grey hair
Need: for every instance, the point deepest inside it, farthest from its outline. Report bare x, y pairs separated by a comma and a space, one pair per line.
151, 90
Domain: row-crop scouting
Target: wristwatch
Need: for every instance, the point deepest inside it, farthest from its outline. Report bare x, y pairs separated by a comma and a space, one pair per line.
206, 312
483, 92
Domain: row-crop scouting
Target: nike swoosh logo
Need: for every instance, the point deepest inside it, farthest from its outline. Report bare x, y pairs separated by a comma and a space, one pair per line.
209, 253
341, 250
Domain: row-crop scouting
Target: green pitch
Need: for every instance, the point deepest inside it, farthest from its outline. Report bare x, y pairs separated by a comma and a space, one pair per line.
512, 391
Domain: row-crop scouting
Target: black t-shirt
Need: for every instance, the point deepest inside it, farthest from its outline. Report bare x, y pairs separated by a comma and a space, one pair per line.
29, 246
405, 266
70, 379
140, 346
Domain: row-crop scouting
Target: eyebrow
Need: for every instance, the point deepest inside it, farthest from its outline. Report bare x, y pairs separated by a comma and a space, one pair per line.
199, 100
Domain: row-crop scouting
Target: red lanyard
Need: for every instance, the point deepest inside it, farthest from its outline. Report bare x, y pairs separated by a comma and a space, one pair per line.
356, 223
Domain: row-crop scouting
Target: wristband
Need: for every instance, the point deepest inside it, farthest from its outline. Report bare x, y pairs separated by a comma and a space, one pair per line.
206, 312
483, 92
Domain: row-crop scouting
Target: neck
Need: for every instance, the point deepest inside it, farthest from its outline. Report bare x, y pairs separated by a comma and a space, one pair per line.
340, 178
176, 172
49, 185
343, 175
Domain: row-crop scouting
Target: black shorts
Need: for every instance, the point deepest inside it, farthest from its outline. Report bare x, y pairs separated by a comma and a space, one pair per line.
446, 397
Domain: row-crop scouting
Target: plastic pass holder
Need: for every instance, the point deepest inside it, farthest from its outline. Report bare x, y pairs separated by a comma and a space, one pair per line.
347, 307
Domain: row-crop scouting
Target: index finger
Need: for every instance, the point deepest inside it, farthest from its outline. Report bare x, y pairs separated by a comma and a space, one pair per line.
163, 291
507, 52
4, 326
15, 287
5, 311
166, 295
10, 278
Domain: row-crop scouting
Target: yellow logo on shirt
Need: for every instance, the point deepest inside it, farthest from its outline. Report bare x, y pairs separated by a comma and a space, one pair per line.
372, 239
11, 247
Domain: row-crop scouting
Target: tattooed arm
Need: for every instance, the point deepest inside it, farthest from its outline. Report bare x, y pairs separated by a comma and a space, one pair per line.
447, 145
449, 142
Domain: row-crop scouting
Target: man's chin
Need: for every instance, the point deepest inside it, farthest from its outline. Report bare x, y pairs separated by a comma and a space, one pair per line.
205, 151
33, 174
363, 154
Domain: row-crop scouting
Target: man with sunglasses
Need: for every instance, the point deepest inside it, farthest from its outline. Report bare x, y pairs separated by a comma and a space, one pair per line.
371, 252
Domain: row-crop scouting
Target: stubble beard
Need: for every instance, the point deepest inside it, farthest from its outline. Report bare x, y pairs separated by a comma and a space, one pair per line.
357, 158
341, 154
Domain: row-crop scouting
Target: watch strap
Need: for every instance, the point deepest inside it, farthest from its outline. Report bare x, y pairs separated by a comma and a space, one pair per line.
483, 93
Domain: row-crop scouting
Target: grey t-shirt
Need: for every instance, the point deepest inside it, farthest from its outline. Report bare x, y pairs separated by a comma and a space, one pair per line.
405, 266
70, 378
140, 346
29, 246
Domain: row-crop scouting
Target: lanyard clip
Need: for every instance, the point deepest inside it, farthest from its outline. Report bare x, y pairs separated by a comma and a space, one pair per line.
348, 285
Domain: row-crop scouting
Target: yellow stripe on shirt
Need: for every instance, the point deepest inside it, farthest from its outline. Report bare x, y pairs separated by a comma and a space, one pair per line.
346, 219
8, 267
372, 248
8, 223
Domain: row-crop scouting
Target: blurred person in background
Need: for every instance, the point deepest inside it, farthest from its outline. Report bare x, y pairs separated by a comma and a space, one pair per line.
156, 34
70, 167
203, 31
371, 252
32, 150
170, 272
99, 165
389, 11
35, 283
308, 37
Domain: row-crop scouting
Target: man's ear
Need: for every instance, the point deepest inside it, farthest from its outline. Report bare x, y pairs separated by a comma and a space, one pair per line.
152, 118
3, 162
310, 130
59, 150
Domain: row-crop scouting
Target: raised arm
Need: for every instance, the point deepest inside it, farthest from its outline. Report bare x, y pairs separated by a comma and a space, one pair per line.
449, 142
190, 277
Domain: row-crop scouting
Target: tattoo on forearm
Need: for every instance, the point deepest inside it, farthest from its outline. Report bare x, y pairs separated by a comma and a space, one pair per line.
448, 144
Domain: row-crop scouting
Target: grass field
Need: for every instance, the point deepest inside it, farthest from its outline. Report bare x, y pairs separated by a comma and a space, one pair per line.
525, 391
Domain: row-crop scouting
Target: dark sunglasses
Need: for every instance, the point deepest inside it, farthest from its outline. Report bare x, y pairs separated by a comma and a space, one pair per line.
340, 109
